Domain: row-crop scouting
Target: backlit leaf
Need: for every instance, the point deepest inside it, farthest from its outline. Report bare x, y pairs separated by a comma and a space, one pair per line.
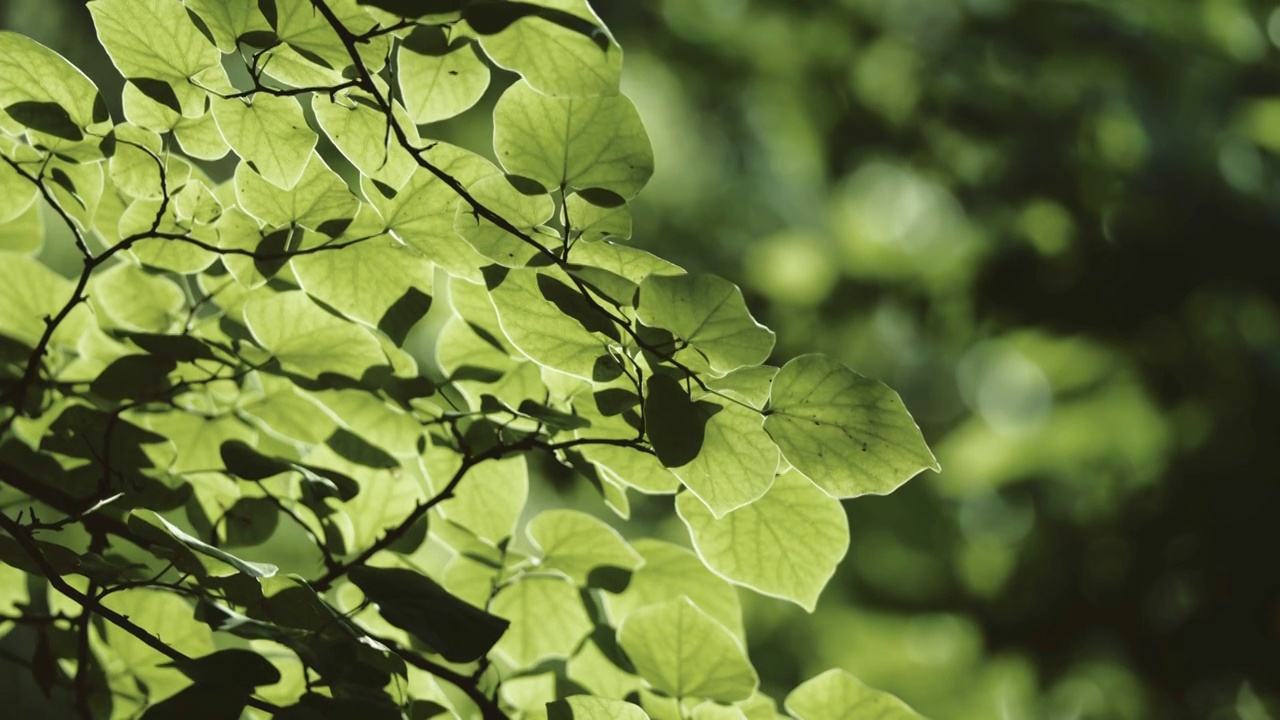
592, 142
786, 544
851, 435
681, 651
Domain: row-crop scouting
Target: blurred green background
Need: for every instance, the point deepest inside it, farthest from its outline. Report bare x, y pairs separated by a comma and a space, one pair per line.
1052, 226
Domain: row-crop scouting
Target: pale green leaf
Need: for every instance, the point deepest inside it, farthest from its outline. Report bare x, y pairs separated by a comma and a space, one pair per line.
155, 40
421, 212
490, 498
837, 695
227, 20
525, 212
286, 411
16, 193
544, 317
593, 222
683, 652
557, 60
24, 233
379, 282
628, 262
126, 296
200, 138
736, 461
586, 707
359, 129
374, 420
29, 292
580, 143
576, 543
593, 670
319, 196
269, 133
308, 340
709, 313
172, 254
633, 468
163, 612
786, 544
135, 166
670, 571
851, 435
749, 384
299, 25
438, 87
547, 619
32, 73
145, 112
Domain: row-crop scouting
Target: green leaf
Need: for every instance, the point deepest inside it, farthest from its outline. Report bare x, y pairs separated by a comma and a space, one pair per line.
683, 652
126, 296
437, 87
421, 213
525, 212
200, 138
585, 707
585, 62
24, 233
547, 619
269, 133
576, 543
129, 30
736, 460
837, 695
252, 569
359, 129
318, 197
29, 291
380, 282
670, 571
490, 499
308, 340
154, 609
709, 313
594, 142
417, 604
538, 314
228, 20
786, 544
849, 434
593, 222
33, 76
631, 263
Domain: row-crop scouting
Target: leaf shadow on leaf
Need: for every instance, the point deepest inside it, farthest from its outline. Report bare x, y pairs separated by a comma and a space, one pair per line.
46, 117
160, 91
403, 314
614, 401
356, 449
571, 303
675, 423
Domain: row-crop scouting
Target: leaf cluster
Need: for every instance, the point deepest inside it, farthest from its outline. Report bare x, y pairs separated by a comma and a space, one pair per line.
238, 492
